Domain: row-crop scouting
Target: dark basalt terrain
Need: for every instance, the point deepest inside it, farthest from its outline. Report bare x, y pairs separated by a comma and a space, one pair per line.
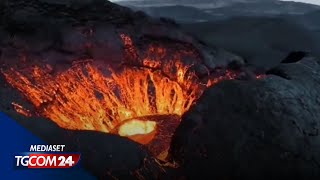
259, 129
262, 32
261, 41
63, 32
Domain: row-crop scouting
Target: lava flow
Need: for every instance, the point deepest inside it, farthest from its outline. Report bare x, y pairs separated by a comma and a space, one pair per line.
84, 98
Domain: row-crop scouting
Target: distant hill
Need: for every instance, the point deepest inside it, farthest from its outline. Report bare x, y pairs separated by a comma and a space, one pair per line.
191, 11
261, 41
309, 20
265, 8
178, 13
313, 18
194, 3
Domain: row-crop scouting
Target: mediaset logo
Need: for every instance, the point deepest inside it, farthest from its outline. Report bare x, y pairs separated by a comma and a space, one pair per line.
47, 156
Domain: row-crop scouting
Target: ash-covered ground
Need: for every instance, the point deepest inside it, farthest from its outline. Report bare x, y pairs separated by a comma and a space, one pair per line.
244, 128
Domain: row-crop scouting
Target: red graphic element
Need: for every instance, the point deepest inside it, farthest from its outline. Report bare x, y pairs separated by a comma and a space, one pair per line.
52, 160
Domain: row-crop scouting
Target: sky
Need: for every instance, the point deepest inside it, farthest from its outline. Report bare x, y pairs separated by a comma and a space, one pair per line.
305, 1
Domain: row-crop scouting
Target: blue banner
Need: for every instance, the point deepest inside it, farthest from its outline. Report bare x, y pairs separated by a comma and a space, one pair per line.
16, 139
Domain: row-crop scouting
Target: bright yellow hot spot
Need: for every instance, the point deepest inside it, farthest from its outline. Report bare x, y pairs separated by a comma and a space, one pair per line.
135, 127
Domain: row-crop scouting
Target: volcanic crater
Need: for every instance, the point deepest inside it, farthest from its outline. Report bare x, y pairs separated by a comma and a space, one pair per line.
141, 99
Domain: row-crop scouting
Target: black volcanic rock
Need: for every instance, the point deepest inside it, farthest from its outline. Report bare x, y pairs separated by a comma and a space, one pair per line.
259, 129
295, 57
59, 32
109, 156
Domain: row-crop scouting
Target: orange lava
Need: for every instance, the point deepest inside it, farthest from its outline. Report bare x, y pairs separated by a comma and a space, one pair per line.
84, 98
71, 98
21, 109
141, 131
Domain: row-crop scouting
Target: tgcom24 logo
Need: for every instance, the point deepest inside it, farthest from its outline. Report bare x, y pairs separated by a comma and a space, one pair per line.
47, 157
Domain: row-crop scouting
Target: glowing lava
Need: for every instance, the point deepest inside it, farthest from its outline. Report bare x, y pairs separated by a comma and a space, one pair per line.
138, 130
134, 127
84, 98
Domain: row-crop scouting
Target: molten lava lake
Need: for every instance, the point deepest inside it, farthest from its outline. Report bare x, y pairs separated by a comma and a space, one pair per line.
142, 101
